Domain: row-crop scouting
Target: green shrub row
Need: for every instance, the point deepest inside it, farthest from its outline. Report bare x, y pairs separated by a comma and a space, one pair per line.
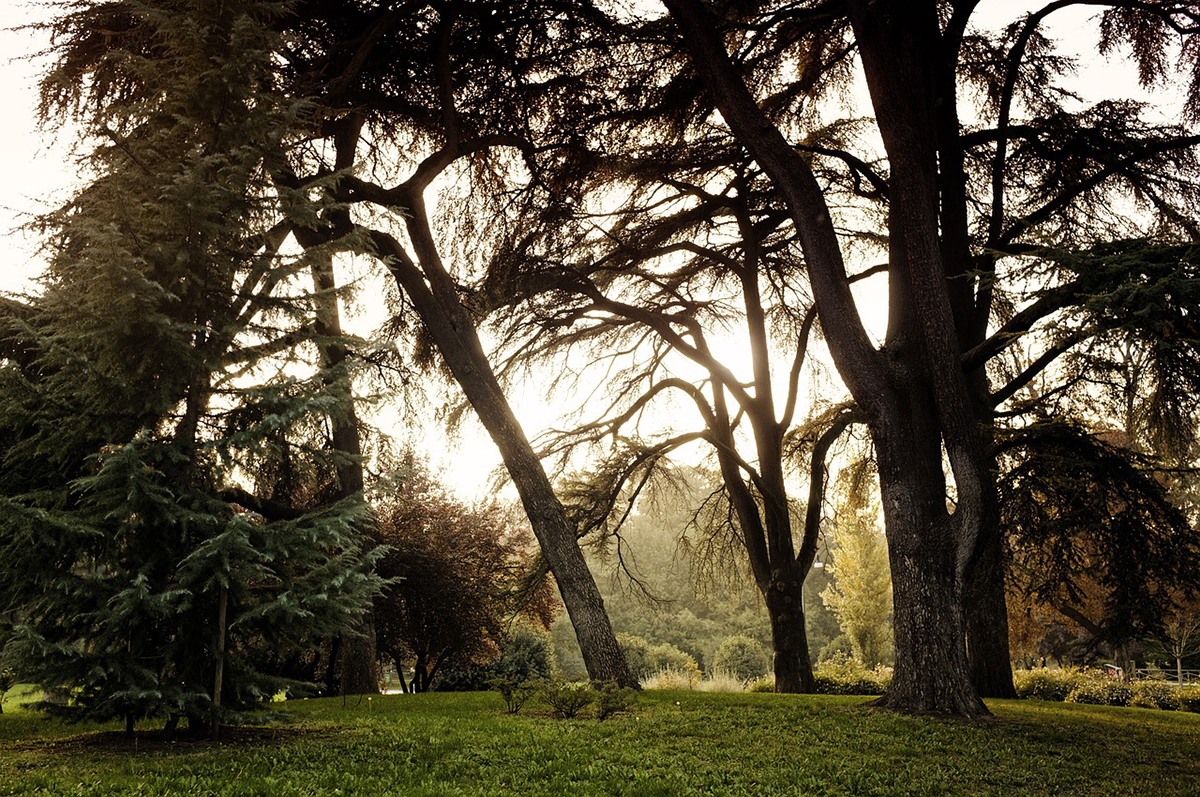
566, 699
1092, 687
843, 675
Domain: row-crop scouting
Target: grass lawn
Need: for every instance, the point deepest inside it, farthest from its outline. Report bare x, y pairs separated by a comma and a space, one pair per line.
672, 743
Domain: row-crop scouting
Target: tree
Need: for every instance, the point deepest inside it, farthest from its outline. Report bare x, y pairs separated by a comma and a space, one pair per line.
956, 206
742, 657
459, 580
860, 593
142, 575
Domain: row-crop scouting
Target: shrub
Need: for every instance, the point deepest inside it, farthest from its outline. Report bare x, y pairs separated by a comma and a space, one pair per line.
672, 679
1046, 684
646, 658
762, 685
565, 698
719, 681
1101, 692
742, 657
8, 679
515, 692
1188, 699
843, 675
612, 699
1154, 694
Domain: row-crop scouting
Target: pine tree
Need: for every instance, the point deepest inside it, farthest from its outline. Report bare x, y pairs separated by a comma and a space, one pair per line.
174, 356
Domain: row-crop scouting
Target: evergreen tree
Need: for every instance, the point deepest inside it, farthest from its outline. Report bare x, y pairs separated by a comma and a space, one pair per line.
170, 344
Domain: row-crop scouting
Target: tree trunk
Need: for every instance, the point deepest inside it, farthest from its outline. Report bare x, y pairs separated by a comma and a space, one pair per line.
987, 623
357, 669
434, 295
785, 606
931, 674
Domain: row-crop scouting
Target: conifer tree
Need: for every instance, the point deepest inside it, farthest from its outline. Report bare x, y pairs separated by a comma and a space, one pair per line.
173, 354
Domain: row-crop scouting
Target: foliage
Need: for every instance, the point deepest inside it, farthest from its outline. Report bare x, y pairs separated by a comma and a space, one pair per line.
516, 692
1101, 692
860, 593
8, 679
645, 658
742, 657
672, 679
721, 681
525, 655
1047, 684
168, 360
566, 698
847, 676
613, 699
1189, 699
460, 579
1155, 694
762, 685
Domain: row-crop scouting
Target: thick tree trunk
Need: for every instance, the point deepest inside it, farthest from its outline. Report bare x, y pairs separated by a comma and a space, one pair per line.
785, 606
931, 674
987, 623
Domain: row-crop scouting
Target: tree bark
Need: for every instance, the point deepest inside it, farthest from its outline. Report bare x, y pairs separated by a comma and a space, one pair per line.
789, 637
987, 623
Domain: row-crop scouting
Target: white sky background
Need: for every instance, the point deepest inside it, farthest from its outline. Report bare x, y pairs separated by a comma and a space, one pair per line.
36, 173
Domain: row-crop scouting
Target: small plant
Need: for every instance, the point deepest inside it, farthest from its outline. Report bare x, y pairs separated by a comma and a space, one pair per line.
762, 685
842, 675
722, 681
672, 679
1046, 684
1155, 694
565, 698
515, 692
612, 699
8, 679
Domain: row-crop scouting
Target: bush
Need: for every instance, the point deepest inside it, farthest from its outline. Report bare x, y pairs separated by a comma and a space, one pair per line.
565, 698
1101, 692
843, 675
524, 657
646, 658
742, 657
515, 693
1046, 684
722, 682
1154, 694
1188, 699
672, 679
612, 699
762, 685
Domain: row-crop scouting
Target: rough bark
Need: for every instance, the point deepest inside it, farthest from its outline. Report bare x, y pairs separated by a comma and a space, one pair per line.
789, 637
987, 624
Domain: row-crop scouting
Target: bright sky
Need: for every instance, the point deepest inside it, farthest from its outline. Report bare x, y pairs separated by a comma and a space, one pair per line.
37, 174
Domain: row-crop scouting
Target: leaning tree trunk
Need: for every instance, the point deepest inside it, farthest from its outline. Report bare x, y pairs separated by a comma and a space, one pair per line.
435, 297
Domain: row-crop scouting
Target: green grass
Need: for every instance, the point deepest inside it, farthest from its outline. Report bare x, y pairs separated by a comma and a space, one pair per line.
672, 743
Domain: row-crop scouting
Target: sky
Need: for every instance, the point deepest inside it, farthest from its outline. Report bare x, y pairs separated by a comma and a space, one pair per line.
37, 169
